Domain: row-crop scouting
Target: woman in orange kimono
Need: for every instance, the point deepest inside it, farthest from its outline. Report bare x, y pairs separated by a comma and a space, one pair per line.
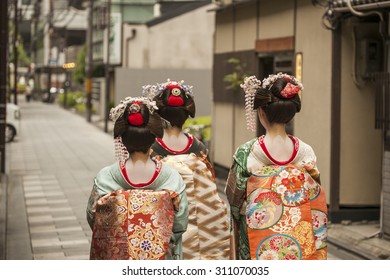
138, 206
207, 235
277, 204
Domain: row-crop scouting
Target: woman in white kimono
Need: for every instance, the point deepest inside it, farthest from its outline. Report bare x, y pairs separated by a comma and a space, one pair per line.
138, 206
277, 205
207, 236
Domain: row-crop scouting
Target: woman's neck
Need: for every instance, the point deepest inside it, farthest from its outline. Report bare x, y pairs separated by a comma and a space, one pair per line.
140, 167
175, 139
277, 142
139, 157
276, 130
173, 132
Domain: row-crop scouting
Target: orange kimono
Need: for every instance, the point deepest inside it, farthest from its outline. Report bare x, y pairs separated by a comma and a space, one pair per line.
278, 209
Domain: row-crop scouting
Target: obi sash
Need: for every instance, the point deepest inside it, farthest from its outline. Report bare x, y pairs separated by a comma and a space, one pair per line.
286, 215
132, 225
207, 235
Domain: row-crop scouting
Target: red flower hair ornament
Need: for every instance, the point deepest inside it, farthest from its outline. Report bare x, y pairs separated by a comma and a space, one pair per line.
290, 90
135, 118
175, 99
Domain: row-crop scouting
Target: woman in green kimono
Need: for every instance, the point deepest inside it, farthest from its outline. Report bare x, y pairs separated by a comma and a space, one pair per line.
207, 236
278, 207
138, 206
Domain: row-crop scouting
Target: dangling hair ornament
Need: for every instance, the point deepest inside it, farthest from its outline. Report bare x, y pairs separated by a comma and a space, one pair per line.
250, 86
292, 88
134, 118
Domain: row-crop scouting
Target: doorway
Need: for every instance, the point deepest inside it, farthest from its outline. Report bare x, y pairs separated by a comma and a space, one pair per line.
272, 63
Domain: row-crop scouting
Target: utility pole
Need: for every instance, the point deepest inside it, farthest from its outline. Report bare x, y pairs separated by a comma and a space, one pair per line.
107, 96
88, 64
16, 31
3, 78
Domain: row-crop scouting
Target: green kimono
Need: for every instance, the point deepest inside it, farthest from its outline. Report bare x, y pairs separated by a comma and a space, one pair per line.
110, 180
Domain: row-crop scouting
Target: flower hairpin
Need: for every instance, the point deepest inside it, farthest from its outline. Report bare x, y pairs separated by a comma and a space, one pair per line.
117, 112
268, 82
157, 89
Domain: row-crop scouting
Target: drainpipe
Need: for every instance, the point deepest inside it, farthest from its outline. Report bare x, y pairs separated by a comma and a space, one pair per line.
128, 39
334, 201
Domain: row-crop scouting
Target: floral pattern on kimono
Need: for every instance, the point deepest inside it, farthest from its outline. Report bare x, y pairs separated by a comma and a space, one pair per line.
251, 159
131, 222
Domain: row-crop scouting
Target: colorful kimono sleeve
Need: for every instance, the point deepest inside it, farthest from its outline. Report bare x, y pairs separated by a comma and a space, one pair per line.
180, 204
236, 188
91, 207
238, 175
310, 164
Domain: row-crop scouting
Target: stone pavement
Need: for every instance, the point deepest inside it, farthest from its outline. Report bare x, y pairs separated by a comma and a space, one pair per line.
51, 166
50, 170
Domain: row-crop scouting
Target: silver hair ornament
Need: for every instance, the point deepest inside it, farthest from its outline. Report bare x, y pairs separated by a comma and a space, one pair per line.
117, 112
250, 86
268, 82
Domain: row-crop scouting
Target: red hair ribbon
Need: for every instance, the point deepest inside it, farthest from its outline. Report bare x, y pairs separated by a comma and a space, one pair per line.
290, 90
135, 118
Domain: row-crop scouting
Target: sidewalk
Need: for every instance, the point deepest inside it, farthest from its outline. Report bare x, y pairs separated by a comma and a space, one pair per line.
51, 166
50, 170
360, 238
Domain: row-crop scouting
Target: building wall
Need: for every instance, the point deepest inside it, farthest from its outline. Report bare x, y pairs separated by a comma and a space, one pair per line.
175, 49
276, 19
314, 42
361, 144
135, 46
129, 82
183, 42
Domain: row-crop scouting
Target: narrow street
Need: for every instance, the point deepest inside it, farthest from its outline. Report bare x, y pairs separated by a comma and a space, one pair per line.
51, 166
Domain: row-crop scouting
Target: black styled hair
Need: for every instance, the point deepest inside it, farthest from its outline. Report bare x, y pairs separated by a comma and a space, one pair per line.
138, 138
175, 115
277, 108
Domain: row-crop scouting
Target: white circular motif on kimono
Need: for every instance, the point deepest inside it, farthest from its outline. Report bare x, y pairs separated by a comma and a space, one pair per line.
320, 220
279, 247
176, 91
134, 108
264, 209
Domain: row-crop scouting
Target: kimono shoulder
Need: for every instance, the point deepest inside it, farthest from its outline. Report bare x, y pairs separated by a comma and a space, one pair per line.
109, 179
170, 179
196, 147
242, 153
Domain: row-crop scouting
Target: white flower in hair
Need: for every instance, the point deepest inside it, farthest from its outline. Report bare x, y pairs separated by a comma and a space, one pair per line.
157, 89
268, 82
250, 86
117, 112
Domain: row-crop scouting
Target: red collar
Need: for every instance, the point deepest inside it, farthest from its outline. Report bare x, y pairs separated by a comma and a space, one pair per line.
265, 150
189, 144
140, 185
